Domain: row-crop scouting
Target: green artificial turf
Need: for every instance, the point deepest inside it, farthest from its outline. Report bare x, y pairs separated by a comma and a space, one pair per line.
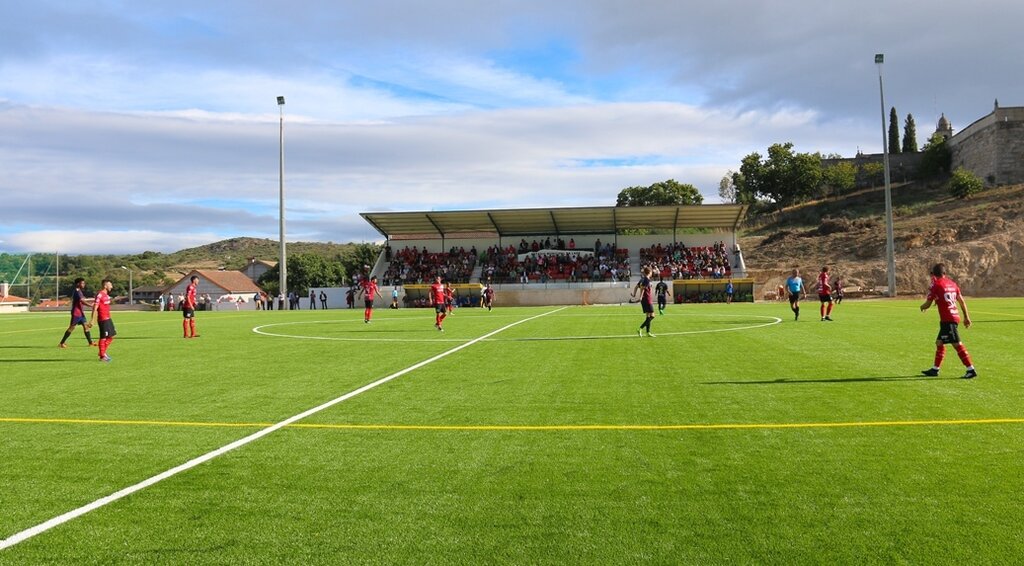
548, 441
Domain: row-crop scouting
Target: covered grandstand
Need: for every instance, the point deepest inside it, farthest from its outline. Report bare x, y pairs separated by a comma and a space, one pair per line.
574, 255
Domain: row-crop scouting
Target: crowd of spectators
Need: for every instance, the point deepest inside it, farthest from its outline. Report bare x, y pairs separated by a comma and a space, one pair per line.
543, 264
412, 265
677, 261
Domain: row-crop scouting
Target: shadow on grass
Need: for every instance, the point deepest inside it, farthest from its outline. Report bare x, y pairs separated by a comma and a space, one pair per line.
44, 360
786, 380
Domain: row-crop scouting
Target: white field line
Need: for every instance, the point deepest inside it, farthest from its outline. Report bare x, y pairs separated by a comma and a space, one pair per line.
64, 518
773, 320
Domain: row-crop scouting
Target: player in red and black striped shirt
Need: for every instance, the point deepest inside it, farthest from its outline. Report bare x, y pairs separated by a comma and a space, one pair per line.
825, 294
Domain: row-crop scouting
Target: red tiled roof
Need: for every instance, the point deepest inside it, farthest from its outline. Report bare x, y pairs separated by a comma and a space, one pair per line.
12, 299
230, 281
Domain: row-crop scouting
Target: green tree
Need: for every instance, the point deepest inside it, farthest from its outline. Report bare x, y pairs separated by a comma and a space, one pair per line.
727, 187
963, 183
840, 178
872, 174
356, 259
909, 135
305, 271
936, 159
894, 132
784, 178
663, 193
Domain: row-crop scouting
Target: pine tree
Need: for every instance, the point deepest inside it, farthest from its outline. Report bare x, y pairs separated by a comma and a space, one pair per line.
894, 132
909, 135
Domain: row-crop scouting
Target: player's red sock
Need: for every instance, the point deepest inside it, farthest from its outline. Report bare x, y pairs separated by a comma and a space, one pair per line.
369, 314
828, 311
822, 309
184, 328
104, 344
940, 353
192, 327
961, 351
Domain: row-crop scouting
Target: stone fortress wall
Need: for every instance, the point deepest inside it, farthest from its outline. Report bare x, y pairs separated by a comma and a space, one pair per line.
992, 147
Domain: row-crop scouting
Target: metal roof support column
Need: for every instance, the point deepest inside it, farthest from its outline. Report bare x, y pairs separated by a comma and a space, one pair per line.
675, 224
439, 230
615, 228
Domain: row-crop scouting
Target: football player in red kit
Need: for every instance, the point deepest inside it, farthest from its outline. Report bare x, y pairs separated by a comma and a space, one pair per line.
101, 313
368, 289
437, 300
188, 309
825, 294
945, 293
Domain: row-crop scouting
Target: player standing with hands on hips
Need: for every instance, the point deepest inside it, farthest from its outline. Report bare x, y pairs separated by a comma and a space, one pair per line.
188, 309
945, 293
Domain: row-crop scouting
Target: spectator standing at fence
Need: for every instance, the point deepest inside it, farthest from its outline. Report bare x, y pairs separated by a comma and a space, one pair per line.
312, 300
323, 299
394, 297
729, 290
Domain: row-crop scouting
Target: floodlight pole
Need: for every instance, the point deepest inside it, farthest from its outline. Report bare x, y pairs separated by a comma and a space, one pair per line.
131, 286
890, 246
283, 260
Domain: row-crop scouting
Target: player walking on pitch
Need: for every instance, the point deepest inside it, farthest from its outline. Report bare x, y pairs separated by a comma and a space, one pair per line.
78, 302
368, 289
825, 295
644, 286
188, 309
488, 297
437, 297
945, 293
661, 290
796, 289
101, 312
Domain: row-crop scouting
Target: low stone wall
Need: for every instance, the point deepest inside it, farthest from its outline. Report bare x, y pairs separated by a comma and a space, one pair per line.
538, 294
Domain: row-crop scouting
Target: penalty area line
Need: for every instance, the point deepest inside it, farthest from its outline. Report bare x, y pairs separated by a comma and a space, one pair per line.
74, 513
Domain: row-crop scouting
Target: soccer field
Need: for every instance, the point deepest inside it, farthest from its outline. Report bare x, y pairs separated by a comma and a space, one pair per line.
523, 435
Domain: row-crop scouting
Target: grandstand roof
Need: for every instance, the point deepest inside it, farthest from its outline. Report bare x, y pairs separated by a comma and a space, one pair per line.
537, 221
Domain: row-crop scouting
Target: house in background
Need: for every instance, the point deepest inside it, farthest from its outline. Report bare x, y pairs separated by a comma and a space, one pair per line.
149, 293
257, 267
11, 303
227, 290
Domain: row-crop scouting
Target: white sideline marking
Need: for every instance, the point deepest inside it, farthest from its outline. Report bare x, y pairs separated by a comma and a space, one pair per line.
260, 330
64, 518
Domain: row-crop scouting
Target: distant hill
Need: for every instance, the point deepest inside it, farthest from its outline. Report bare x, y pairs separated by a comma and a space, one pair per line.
981, 239
234, 253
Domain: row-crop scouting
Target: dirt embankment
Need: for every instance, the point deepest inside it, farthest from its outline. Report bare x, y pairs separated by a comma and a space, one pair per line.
981, 240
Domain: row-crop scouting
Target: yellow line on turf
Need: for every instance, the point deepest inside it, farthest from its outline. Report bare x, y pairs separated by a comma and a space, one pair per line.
483, 428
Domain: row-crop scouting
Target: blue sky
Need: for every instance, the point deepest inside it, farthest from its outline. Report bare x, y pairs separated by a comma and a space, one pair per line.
133, 126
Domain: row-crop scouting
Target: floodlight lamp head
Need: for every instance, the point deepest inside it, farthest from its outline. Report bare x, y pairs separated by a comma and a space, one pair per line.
280, 101
879, 59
